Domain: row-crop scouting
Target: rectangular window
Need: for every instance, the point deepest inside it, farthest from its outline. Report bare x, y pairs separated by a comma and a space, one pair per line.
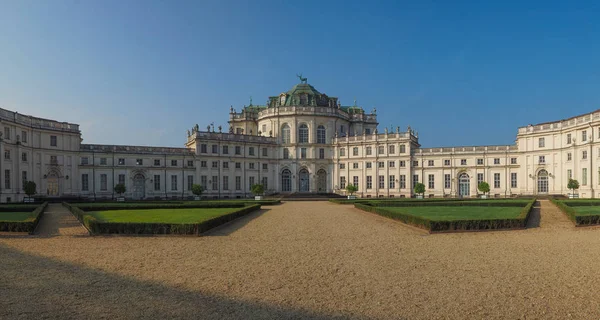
225, 164
302, 153
24, 136
541, 142
381, 164
368, 131
6, 154
24, 156
381, 182
368, 164
238, 165
355, 181
430, 163
157, 162
225, 149
463, 162
583, 135
431, 180
7, 133
392, 164
381, 150
250, 183
238, 150
121, 179
369, 182
225, 182
215, 148
121, 161
203, 148
265, 166
85, 182
342, 166
156, 182
190, 163
342, 152
415, 163
584, 176
542, 159
496, 180
402, 163
53, 141
321, 153
496, 160
513, 179
251, 165
369, 151
23, 177
204, 182
53, 160
139, 162
190, 182
173, 163
355, 165
215, 182
392, 182
265, 152
584, 154
202, 164
102, 161
392, 149
447, 181
355, 151
447, 162
215, 164
513, 160
342, 183
265, 182
415, 179
251, 151
402, 181
479, 161
173, 182
570, 174
103, 182
479, 178
238, 183
568, 138
402, 148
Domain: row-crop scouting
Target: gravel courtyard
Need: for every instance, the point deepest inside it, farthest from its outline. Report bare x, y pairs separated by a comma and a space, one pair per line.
308, 260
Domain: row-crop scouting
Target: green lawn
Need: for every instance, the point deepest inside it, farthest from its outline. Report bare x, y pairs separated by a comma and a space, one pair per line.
460, 213
586, 210
186, 215
16, 216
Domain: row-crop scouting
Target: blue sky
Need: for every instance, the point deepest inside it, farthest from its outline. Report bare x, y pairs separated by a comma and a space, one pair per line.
143, 72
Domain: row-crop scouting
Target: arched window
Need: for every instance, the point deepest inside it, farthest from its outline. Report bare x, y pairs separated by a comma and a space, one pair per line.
303, 133
285, 133
320, 134
286, 153
286, 181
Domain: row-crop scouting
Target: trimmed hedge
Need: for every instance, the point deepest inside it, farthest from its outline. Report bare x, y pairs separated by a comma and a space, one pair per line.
452, 225
101, 206
579, 220
27, 225
18, 207
96, 226
412, 201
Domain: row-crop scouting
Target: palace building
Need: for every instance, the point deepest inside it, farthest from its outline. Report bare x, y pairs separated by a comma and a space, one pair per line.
300, 141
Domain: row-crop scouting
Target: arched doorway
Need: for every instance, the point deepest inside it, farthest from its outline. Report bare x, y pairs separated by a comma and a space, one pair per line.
303, 181
542, 181
139, 186
321, 181
286, 181
52, 184
464, 185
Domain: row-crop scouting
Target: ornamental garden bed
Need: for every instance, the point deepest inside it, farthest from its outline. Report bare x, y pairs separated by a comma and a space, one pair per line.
144, 219
21, 218
583, 212
456, 216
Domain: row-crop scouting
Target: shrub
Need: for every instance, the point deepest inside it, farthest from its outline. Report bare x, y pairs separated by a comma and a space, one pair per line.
351, 189
573, 185
257, 189
29, 188
484, 187
197, 189
420, 188
120, 189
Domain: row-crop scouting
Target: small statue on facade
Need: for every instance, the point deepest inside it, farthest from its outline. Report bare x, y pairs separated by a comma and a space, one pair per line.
270, 133
208, 128
220, 129
386, 130
188, 133
397, 129
230, 129
375, 131
196, 127
374, 111
231, 109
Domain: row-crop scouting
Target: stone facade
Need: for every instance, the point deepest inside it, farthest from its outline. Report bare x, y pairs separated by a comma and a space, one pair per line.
299, 141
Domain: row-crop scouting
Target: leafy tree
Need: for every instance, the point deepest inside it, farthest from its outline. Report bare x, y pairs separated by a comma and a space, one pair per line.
573, 185
120, 188
420, 189
257, 189
484, 187
29, 188
197, 189
351, 189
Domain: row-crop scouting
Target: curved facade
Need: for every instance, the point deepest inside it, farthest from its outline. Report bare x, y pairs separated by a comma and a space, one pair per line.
301, 140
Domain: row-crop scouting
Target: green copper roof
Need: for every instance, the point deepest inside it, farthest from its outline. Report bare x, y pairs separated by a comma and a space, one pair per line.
253, 108
303, 88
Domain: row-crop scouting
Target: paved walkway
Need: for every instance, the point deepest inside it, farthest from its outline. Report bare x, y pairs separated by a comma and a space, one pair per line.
58, 221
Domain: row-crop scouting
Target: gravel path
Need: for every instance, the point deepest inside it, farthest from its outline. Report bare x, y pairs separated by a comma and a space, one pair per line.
308, 260
58, 221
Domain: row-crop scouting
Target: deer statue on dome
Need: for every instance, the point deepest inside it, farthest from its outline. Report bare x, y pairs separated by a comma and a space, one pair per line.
302, 80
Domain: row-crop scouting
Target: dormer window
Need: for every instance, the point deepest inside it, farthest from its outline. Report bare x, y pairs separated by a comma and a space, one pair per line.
303, 99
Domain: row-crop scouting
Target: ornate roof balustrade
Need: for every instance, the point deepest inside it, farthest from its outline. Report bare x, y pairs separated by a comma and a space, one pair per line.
377, 137
561, 124
205, 135
38, 123
309, 110
469, 149
134, 149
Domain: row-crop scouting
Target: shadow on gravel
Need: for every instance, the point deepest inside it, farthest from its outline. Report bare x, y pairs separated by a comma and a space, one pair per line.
534, 216
235, 225
38, 287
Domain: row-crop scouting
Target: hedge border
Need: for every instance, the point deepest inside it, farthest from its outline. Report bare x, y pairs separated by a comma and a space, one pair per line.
28, 225
96, 227
441, 226
171, 205
426, 200
578, 220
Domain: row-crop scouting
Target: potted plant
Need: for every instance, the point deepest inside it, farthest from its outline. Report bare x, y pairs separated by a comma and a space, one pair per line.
257, 190
485, 188
197, 191
573, 185
351, 189
420, 190
120, 189
29, 188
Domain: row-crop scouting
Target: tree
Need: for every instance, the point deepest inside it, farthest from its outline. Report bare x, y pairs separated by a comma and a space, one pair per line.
120, 188
484, 187
350, 188
420, 189
197, 189
257, 189
29, 188
573, 185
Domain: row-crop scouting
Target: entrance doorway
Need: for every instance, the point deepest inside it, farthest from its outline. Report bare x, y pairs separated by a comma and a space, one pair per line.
542, 182
52, 183
286, 181
464, 185
321, 181
139, 186
303, 181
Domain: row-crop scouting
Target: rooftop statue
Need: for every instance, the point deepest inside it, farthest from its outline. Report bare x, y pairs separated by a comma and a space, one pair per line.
302, 80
